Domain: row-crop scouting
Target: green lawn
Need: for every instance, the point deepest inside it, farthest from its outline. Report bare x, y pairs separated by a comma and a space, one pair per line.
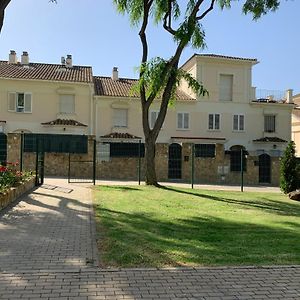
145, 226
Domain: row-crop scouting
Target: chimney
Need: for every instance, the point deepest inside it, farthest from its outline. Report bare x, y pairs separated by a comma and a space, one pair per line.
12, 57
289, 96
115, 74
25, 58
69, 61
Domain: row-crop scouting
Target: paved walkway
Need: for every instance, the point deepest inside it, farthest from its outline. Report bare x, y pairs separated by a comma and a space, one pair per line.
47, 251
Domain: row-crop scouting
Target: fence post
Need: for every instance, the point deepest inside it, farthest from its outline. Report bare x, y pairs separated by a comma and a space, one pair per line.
193, 166
242, 170
21, 152
69, 169
94, 162
139, 166
36, 161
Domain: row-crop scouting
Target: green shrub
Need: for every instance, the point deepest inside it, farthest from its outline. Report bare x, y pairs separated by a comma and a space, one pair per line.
289, 170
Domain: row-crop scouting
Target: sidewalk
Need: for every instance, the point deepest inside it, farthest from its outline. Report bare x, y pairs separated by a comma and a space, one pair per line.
48, 251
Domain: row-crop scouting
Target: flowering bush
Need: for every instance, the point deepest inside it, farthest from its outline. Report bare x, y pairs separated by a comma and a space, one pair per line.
10, 177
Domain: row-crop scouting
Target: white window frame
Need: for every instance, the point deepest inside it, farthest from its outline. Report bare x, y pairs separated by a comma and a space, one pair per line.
17, 108
270, 115
214, 122
60, 104
221, 87
183, 114
114, 118
239, 122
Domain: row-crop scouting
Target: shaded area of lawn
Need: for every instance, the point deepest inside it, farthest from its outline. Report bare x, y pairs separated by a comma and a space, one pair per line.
145, 226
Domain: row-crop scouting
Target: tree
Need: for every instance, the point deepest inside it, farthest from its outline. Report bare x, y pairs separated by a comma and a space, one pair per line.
158, 77
3, 5
289, 170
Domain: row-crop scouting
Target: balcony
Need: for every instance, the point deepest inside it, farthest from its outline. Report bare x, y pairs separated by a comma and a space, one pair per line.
269, 96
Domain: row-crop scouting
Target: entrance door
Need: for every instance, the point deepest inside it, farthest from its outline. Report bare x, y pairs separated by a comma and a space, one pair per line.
40, 162
264, 168
175, 161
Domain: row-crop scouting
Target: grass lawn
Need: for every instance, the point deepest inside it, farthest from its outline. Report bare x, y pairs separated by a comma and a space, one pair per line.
149, 227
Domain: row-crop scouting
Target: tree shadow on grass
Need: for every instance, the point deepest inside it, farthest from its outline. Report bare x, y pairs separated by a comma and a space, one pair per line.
117, 188
281, 208
137, 240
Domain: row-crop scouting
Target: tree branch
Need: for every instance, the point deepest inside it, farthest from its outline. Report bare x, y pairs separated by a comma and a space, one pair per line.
3, 5
211, 7
167, 24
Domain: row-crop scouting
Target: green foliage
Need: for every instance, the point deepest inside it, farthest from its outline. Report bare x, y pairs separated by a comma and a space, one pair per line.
289, 170
154, 78
10, 177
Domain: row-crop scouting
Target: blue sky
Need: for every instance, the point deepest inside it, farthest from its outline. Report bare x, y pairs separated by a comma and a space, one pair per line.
95, 34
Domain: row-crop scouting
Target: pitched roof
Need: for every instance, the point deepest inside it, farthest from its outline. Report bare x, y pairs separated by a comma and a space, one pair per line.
118, 135
226, 57
41, 71
64, 122
270, 140
106, 86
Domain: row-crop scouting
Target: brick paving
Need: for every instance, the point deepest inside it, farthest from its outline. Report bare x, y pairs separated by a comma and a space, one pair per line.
47, 247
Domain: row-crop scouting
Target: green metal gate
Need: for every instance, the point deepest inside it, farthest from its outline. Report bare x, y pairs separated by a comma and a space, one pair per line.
3, 149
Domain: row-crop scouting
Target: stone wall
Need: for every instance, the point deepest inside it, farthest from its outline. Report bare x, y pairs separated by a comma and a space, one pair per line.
15, 192
213, 170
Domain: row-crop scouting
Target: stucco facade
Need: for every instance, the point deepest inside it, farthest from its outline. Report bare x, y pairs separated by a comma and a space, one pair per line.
296, 124
230, 118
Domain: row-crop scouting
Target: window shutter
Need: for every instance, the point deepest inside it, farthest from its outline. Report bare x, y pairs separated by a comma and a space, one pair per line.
217, 121
226, 85
235, 122
27, 103
153, 117
242, 122
12, 102
120, 117
179, 120
210, 121
186, 121
67, 104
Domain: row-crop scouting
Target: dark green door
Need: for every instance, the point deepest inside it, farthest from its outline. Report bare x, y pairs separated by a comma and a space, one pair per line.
175, 161
264, 168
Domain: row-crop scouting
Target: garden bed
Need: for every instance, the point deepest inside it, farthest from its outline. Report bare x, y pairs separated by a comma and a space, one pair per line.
13, 193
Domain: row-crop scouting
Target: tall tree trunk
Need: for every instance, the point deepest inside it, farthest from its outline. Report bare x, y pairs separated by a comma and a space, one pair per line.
150, 174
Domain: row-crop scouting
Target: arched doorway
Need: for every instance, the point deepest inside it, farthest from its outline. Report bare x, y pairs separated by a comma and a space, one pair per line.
264, 168
175, 161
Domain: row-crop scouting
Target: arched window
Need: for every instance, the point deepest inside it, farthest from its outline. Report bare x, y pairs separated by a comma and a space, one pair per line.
235, 158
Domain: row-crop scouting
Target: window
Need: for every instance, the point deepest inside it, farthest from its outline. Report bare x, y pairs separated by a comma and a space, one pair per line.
67, 104
183, 120
120, 117
235, 159
226, 86
214, 121
239, 122
153, 117
205, 150
126, 150
19, 102
270, 123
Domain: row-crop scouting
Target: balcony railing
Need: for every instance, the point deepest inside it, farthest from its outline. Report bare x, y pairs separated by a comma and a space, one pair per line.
262, 95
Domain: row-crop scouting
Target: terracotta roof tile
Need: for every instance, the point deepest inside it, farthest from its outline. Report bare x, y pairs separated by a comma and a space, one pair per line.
106, 86
41, 71
270, 140
118, 135
226, 57
63, 122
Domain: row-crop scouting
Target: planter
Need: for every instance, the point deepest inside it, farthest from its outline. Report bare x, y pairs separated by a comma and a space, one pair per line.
15, 192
